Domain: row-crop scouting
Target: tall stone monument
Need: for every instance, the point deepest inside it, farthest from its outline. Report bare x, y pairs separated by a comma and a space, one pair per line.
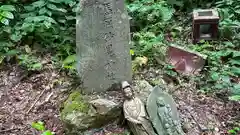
103, 35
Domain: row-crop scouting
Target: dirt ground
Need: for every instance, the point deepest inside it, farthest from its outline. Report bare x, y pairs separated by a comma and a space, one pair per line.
28, 97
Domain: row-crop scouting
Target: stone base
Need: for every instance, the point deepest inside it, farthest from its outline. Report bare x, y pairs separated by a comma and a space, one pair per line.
83, 112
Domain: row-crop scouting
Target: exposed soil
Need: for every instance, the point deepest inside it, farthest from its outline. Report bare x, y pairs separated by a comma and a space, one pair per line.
19, 92
48, 89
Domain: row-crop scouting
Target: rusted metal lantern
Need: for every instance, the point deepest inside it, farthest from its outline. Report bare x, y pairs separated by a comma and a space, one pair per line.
185, 61
205, 25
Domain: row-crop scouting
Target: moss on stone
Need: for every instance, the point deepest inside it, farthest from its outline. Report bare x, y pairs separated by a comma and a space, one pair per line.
75, 102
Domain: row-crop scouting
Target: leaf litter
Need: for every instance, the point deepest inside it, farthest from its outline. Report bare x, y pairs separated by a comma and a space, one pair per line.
21, 103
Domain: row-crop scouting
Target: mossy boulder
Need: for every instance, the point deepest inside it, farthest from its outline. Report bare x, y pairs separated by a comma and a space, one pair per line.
81, 112
75, 102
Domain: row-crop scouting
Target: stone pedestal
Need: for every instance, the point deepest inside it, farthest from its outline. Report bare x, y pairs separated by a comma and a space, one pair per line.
205, 25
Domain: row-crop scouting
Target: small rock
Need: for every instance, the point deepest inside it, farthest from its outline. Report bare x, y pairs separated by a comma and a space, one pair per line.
12, 74
21, 91
1, 117
103, 106
186, 127
142, 89
54, 74
1, 94
80, 113
216, 129
47, 87
223, 124
158, 81
18, 99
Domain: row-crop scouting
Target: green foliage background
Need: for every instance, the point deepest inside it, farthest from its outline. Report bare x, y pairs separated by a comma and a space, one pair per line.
154, 21
32, 29
37, 27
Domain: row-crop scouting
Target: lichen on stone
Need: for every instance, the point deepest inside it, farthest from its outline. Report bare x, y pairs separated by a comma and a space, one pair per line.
75, 102
80, 113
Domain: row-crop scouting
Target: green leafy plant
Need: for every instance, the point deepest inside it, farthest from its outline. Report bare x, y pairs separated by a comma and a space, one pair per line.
234, 131
229, 11
6, 14
146, 13
70, 64
222, 68
31, 62
149, 21
46, 26
40, 127
188, 5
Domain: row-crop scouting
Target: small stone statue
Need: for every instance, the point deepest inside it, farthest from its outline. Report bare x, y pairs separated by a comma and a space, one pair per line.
163, 113
135, 113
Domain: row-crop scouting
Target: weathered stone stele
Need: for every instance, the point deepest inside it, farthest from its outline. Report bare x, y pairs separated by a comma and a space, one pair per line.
163, 113
103, 35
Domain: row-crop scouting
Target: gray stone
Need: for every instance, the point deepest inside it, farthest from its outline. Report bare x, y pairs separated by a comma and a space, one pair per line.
103, 49
142, 90
80, 114
103, 106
